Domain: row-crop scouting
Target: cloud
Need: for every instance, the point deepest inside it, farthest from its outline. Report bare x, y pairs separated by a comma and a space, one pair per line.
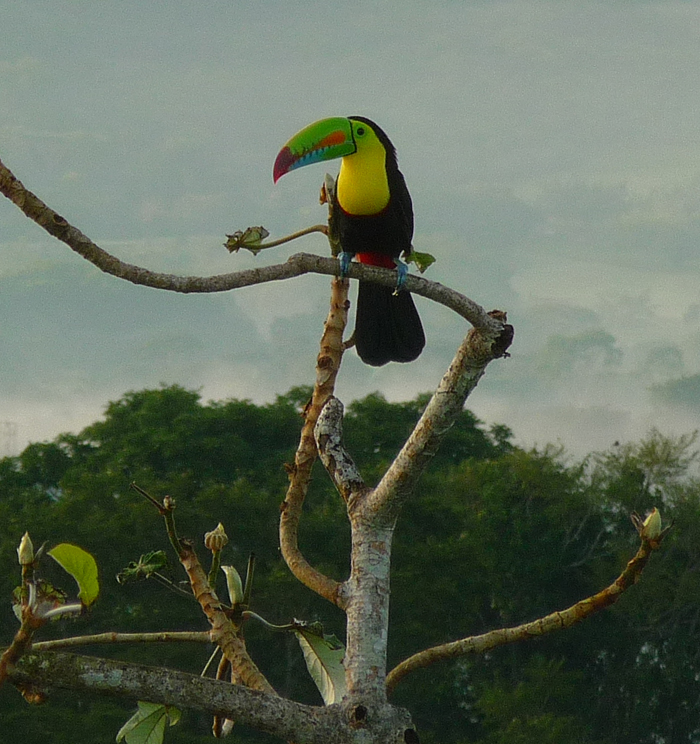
683, 393
587, 353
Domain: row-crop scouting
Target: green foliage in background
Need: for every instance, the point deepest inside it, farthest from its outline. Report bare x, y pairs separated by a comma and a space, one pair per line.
494, 536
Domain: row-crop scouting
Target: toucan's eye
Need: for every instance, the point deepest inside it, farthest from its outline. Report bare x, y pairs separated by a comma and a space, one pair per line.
360, 131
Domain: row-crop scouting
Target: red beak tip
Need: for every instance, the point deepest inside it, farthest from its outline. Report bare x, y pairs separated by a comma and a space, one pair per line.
284, 161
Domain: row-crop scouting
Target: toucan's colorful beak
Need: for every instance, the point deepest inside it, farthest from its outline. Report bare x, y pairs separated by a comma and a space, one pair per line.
324, 140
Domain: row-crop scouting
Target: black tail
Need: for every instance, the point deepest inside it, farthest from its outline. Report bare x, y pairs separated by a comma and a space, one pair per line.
387, 326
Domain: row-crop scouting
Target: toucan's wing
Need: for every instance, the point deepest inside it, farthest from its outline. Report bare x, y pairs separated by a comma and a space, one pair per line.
401, 202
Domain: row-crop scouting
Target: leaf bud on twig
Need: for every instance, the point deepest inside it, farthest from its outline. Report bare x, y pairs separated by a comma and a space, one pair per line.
651, 528
234, 584
25, 551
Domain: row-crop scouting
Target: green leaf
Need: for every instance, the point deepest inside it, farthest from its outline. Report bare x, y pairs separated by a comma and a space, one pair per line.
82, 567
147, 725
323, 655
249, 239
422, 260
147, 565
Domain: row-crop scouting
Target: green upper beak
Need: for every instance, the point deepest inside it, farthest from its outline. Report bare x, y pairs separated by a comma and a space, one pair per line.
323, 140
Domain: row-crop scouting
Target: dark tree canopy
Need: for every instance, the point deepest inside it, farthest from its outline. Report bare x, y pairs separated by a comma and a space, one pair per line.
495, 535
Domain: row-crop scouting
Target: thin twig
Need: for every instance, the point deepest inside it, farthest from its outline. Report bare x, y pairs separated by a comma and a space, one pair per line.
172, 586
165, 509
210, 661
201, 636
257, 247
148, 497
249, 575
250, 615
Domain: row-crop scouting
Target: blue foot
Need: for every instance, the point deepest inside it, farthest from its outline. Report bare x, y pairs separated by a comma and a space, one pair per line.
345, 259
401, 274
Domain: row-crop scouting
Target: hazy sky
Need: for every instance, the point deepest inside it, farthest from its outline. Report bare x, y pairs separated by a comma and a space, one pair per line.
552, 150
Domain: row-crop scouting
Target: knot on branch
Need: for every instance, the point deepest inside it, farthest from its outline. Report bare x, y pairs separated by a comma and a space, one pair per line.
358, 716
504, 339
484, 347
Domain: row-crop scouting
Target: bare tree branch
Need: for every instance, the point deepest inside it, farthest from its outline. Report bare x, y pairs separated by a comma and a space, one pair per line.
552, 622
297, 265
328, 363
367, 588
21, 643
264, 711
224, 632
345, 723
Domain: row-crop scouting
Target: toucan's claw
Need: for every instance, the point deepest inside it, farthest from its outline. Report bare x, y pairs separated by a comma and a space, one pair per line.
345, 259
401, 274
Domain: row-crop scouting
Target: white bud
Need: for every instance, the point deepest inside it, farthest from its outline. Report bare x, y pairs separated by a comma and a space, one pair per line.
234, 584
25, 551
651, 528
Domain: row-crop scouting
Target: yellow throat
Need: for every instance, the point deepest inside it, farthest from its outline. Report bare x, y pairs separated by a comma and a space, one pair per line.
363, 187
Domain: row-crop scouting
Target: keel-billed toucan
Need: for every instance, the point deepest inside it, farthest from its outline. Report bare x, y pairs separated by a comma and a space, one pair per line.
372, 217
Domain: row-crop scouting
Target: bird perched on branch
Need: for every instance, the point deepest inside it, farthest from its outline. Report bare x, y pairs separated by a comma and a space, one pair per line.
372, 217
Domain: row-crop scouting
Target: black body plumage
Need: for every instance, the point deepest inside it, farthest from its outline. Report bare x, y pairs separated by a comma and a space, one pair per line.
387, 325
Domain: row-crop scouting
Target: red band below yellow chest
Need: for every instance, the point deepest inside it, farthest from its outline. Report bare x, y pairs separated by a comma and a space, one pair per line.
376, 259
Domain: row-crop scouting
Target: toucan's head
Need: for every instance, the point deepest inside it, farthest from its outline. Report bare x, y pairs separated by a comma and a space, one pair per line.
337, 137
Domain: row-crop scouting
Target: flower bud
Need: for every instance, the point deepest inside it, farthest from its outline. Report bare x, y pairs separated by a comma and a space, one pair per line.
651, 528
216, 539
25, 551
234, 584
